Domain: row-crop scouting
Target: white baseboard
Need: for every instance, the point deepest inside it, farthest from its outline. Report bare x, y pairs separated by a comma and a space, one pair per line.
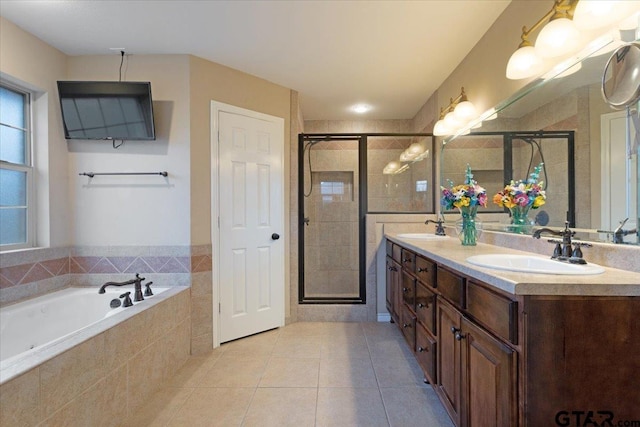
384, 317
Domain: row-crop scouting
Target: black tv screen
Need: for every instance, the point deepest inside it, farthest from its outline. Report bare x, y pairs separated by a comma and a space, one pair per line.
107, 110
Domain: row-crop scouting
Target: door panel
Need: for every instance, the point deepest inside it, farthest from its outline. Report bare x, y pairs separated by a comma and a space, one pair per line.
251, 262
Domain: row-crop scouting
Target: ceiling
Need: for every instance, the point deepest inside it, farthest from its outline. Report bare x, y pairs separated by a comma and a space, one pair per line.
391, 55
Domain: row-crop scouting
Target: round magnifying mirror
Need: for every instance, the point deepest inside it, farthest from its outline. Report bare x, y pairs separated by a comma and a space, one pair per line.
621, 79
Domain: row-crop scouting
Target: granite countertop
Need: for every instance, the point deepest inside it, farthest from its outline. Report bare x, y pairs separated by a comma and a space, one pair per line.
450, 253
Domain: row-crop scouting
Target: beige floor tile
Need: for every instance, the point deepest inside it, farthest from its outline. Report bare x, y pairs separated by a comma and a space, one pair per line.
344, 346
350, 407
398, 372
280, 407
259, 343
388, 348
288, 372
160, 408
307, 329
298, 346
347, 372
414, 406
213, 407
234, 372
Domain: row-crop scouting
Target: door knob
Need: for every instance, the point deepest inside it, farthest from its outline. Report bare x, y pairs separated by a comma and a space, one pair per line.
275, 236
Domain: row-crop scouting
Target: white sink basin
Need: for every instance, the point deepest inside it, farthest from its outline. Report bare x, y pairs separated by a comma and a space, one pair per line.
532, 264
421, 236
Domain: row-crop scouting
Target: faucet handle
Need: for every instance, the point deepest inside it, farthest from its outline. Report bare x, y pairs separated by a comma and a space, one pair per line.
147, 289
127, 299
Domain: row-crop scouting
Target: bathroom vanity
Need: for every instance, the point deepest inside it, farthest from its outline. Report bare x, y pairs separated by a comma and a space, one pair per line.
502, 348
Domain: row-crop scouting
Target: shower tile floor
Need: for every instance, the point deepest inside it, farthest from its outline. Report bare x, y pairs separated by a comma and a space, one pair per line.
305, 374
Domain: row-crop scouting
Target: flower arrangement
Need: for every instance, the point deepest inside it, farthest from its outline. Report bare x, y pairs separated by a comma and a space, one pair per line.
522, 193
465, 195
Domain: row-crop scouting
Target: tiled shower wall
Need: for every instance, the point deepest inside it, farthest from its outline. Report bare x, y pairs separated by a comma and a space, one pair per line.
30, 273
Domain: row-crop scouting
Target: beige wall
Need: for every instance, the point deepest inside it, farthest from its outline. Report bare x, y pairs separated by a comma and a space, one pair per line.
209, 81
28, 61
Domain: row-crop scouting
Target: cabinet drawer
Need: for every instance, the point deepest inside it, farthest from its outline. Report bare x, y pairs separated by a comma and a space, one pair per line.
408, 261
389, 248
451, 286
426, 353
426, 307
425, 270
496, 312
408, 324
396, 253
409, 290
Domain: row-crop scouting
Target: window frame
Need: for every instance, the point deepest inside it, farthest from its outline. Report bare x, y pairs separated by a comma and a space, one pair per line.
28, 168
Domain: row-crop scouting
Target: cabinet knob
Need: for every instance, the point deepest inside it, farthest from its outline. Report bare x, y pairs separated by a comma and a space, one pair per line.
459, 336
406, 325
420, 349
406, 260
421, 305
454, 330
405, 289
392, 268
423, 270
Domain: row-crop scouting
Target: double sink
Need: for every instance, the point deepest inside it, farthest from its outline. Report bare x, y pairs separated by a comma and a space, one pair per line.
517, 263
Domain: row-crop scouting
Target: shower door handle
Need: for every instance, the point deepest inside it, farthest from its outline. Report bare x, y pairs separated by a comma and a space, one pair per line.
275, 236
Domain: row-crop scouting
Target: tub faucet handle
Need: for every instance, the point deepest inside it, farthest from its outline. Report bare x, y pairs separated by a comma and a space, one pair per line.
127, 299
147, 289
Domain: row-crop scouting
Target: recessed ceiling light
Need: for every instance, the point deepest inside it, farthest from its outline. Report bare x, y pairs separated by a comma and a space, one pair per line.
361, 108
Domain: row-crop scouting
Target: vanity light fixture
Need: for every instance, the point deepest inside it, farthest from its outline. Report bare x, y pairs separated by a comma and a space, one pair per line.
457, 115
564, 30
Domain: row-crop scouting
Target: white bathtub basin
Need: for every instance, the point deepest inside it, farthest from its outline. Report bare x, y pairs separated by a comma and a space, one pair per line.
422, 236
533, 264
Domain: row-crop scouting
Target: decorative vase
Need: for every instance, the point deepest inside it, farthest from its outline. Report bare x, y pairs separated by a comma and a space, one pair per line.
520, 222
468, 227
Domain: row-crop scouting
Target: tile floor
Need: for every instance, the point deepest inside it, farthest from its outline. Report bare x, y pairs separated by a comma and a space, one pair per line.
305, 374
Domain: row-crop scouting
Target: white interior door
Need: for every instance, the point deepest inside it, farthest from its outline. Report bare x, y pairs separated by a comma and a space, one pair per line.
251, 222
619, 174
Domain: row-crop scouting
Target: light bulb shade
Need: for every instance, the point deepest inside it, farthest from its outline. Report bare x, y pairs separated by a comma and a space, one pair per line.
465, 111
416, 148
407, 156
441, 129
524, 63
559, 37
593, 14
391, 167
452, 121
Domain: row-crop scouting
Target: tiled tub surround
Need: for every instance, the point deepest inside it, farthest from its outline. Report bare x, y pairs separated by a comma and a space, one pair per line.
111, 369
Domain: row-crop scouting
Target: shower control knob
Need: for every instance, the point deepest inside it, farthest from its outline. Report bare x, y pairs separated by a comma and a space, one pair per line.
275, 236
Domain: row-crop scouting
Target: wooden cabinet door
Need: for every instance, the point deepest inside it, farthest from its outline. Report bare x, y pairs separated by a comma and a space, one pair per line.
448, 373
489, 372
393, 273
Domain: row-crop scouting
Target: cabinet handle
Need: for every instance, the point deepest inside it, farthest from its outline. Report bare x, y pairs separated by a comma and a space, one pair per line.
420, 349
459, 336
406, 260
406, 325
423, 270
392, 268
454, 330
405, 290
421, 305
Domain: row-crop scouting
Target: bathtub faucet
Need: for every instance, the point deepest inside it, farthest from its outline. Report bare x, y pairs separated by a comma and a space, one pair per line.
137, 282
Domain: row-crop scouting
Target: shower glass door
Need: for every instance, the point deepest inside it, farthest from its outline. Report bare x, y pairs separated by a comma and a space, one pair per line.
331, 221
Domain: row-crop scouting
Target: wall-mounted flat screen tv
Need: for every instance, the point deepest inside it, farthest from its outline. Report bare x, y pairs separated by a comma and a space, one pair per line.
107, 110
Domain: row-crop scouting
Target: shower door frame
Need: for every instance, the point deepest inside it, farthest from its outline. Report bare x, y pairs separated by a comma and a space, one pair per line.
363, 210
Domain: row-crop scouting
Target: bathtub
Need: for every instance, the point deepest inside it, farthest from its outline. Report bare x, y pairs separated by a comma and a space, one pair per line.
36, 330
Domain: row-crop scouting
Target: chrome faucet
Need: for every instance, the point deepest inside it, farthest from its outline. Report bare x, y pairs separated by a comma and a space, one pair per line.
439, 228
137, 282
565, 250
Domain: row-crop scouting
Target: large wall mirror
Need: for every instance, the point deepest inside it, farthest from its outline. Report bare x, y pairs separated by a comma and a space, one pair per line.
587, 146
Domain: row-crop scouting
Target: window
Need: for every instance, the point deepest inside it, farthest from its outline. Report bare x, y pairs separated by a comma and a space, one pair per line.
15, 169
